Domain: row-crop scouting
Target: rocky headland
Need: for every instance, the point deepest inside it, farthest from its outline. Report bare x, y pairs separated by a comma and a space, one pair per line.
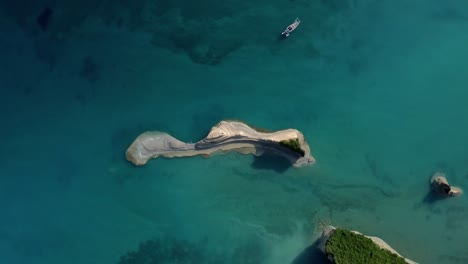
225, 136
355, 241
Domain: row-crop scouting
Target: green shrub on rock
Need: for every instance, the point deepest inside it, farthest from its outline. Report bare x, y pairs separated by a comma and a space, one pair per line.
347, 247
293, 144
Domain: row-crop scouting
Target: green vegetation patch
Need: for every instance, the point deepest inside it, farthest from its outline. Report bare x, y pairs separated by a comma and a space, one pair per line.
293, 144
347, 247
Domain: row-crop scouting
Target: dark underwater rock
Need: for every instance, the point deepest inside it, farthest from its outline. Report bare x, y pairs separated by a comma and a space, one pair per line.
44, 17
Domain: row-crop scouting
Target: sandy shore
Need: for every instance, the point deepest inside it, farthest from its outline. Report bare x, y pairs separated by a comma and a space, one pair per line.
225, 136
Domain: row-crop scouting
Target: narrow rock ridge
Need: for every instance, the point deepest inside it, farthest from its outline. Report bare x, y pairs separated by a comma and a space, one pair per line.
225, 136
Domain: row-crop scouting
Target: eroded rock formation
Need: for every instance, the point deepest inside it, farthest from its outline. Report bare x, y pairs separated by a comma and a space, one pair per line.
225, 136
441, 186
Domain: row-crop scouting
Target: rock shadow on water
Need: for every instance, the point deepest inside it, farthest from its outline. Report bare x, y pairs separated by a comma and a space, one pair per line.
310, 255
431, 198
273, 162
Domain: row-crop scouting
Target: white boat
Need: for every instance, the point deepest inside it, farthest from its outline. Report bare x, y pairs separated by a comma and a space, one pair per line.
291, 27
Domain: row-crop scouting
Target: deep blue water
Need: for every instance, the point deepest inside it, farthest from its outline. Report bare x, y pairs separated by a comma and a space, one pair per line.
379, 89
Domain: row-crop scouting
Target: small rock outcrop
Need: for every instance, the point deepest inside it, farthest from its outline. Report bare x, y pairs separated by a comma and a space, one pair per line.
441, 186
225, 136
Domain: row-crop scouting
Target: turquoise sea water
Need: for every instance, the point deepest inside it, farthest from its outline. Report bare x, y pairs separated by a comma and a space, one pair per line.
379, 89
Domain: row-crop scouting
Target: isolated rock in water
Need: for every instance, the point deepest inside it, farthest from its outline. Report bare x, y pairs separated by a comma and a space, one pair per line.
441, 186
225, 136
344, 246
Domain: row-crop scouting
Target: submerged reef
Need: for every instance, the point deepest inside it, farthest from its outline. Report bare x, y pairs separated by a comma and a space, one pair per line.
44, 18
170, 250
225, 136
163, 251
344, 246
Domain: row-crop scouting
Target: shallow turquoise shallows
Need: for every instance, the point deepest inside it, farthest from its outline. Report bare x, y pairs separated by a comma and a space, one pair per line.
378, 88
